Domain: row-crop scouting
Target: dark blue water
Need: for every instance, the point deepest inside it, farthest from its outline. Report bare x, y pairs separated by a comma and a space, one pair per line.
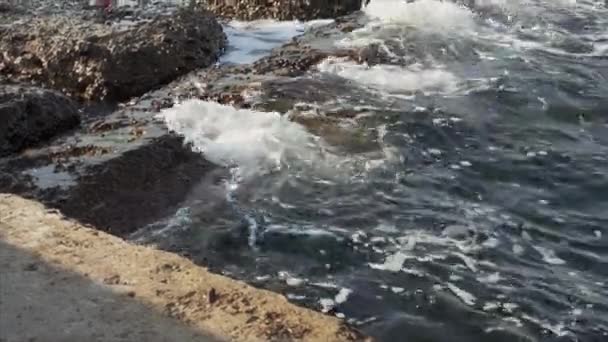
477, 209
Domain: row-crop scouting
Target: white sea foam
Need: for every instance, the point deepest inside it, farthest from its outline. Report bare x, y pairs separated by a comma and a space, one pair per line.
397, 289
465, 296
256, 142
558, 329
342, 295
549, 256
392, 78
180, 220
327, 304
492, 278
393, 263
430, 15
491, 306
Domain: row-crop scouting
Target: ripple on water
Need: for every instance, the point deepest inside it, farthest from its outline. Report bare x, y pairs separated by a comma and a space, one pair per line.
480, 215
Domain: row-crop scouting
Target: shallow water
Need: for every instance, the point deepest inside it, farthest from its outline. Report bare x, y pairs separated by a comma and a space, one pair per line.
480, 214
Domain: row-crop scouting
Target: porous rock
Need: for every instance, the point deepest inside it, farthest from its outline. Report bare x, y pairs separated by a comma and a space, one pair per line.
29, 115
95, 61
282, 9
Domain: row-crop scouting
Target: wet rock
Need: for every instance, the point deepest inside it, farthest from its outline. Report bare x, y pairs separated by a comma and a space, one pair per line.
135, 188
30, 115
95, 61
281, 9
127, 157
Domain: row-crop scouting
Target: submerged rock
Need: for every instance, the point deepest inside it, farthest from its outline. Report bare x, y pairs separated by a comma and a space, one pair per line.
94, 61
29, 115
282, 9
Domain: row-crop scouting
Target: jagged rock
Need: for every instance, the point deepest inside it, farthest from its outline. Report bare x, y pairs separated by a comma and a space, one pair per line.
281, 9
95, 61
29, 115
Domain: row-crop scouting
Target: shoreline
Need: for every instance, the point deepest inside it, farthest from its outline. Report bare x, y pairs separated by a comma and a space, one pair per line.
107, 288
170, 287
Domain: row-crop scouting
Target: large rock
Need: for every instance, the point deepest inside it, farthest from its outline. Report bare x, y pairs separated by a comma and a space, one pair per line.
29, 115
282, 9
95, 61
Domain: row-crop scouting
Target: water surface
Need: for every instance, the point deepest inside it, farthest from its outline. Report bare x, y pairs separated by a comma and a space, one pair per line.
479, 211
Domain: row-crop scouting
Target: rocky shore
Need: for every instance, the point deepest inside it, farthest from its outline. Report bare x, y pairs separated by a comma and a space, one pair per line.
281, 9
97, 163
96, 62
69, 143
92, 167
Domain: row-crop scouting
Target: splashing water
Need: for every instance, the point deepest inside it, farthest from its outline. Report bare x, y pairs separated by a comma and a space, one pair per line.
431, 15
256, 142
392, 78
488, 224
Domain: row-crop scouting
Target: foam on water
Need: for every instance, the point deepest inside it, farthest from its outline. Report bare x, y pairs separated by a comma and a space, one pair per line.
395, 17
256, 142
430, 15
459, 251
180, 220
549, 256
393, 263
465, 296
392, 78
250, 144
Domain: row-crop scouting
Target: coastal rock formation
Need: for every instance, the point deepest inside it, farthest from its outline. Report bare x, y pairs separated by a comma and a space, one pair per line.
281, 9
100, 164
146, 194
29, 115
95, 61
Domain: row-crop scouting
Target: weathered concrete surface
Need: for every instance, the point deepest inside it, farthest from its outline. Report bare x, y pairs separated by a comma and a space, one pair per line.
63, 281
95, 61
30, 115
281, 9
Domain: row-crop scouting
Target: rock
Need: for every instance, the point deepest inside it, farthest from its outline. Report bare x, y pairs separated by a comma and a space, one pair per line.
212, 296
95, 61
149, 182
281, 9
29, 115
